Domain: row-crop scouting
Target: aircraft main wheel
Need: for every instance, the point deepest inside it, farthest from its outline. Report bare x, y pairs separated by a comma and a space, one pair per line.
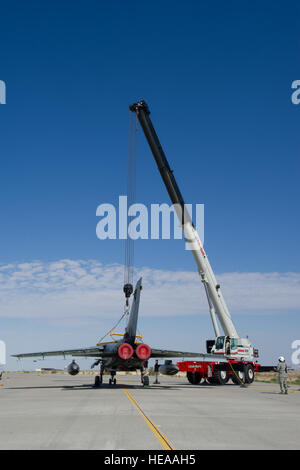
194, 377
249, 374
146, 381
97, 381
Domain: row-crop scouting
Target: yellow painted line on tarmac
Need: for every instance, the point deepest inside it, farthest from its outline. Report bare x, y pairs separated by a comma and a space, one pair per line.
164, 441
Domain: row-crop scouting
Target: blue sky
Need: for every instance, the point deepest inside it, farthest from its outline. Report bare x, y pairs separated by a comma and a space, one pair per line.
217, 78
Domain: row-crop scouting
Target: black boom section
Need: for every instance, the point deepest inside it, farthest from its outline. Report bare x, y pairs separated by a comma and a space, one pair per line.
142, 111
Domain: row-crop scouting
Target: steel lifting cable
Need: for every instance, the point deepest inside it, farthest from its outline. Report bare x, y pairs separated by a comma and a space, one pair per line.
114, 327
131, 193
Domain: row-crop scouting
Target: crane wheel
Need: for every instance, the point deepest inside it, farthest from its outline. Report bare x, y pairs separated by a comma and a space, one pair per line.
237, 377
194, 377
249, 374
220, 377
211, 380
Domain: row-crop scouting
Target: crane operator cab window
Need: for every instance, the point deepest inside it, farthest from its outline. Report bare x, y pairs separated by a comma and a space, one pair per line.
220, 342
226, 344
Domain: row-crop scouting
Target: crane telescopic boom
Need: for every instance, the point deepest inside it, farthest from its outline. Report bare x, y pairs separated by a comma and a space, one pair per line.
217, 304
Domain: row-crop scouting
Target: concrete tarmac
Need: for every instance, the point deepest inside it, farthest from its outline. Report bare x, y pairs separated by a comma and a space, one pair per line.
57, 411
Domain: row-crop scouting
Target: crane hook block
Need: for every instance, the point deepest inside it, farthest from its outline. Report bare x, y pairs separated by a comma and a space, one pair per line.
127, 289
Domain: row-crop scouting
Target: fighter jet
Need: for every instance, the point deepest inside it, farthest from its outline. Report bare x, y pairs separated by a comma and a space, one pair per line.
126, 354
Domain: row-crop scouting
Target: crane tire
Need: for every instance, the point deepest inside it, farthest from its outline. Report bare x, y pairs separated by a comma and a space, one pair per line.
235, 379
194, 377
220, 377
249, 374
211, 380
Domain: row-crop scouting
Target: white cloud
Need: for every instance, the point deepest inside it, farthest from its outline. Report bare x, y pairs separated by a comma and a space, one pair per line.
78, 288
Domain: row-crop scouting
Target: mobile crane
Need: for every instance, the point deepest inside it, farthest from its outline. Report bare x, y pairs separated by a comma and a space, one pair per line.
235, 356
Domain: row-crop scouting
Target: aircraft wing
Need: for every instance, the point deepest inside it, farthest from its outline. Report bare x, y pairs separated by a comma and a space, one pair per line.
157, 353
167, 353
93, 351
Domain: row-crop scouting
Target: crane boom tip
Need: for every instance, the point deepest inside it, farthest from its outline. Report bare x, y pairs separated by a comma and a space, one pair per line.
141, 104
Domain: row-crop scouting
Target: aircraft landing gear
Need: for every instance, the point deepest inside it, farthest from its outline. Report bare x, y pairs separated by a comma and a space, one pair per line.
112, 380
146, 381
99, 378
144, 378
97, 381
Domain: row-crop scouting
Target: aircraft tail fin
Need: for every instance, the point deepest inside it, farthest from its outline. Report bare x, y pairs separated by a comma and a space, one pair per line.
130, 330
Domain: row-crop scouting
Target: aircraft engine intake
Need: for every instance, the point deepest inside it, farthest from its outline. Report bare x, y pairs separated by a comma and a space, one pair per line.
73, 368
125, 351
143, 351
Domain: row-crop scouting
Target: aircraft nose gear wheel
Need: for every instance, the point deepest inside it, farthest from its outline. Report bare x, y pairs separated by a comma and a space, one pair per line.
112, 380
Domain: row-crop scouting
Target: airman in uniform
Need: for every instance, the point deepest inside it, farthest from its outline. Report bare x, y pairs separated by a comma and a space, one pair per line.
282, 374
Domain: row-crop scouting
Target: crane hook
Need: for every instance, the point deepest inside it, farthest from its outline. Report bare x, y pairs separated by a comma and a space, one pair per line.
127, 289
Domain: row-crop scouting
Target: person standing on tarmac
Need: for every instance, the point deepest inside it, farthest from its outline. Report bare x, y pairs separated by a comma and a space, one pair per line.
156, 370
282, 373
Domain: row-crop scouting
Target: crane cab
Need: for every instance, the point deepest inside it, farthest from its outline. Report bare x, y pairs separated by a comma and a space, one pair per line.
235, 348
